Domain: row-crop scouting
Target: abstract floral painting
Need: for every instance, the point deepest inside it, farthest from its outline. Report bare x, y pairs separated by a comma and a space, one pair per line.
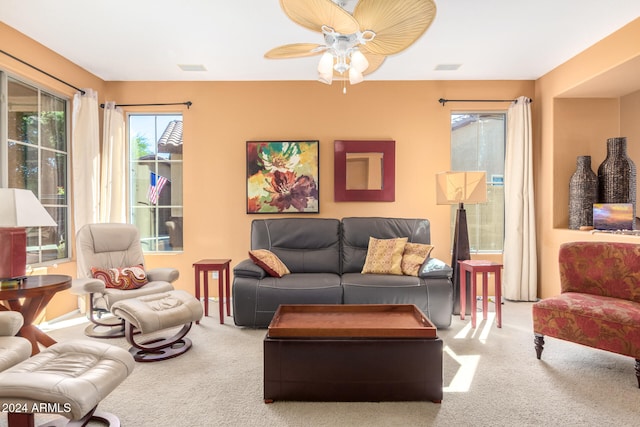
282, 177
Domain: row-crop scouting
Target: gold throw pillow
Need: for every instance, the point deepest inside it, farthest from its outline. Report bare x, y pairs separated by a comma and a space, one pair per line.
384, 256
413, 256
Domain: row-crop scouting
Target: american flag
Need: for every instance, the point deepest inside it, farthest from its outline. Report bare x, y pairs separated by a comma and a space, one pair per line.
155, 187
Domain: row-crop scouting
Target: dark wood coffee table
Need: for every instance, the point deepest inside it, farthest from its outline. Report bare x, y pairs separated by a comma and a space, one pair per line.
371, 352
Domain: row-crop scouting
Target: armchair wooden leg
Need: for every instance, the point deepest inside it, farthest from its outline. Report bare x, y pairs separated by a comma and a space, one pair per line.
539, 342
638, 371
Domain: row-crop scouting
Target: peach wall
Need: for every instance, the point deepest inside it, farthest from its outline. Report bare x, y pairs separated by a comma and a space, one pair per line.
630, 122
225, 115
580, 104
581, 127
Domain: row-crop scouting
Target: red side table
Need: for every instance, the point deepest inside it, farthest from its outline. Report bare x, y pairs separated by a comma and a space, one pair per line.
484, 267
222, 267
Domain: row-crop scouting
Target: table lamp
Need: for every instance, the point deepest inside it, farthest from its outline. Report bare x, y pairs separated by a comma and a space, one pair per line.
459, 188
18, 209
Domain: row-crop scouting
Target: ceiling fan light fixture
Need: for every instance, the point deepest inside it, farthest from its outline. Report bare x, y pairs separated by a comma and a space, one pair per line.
326, 79
358, 61
383, 27
355, 76
325, 68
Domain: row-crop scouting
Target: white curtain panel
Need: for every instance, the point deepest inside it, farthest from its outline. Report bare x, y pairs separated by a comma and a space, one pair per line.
85, 146
519, 256
113, 176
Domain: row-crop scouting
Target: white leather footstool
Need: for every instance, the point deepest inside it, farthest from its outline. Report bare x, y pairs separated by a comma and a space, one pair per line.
155, 312
13, 349
69, 378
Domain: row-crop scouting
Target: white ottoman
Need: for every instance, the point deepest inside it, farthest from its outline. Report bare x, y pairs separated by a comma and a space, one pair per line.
69, 378
155, 312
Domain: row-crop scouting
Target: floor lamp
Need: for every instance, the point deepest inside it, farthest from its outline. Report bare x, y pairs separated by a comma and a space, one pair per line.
459, 188
18, 209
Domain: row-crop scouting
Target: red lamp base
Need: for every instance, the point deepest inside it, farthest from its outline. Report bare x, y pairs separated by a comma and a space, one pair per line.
13, 253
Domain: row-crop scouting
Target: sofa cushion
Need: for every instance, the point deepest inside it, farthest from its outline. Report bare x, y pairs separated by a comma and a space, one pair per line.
255, 302
269, 262
305, 245
413, 257
357, 230
384, 256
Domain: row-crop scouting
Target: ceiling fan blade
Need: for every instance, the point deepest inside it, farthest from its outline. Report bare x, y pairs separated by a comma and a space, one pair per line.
295, 50
375, 61
397, 24
313, 14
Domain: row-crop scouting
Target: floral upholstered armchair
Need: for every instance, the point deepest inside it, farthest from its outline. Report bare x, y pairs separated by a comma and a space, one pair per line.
599, 303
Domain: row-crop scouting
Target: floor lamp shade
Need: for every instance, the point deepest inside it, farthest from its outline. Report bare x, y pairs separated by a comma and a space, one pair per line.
460, 188
453, 188
18, 209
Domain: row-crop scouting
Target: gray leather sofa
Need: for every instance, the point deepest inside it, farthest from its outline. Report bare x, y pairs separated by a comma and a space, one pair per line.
325, 257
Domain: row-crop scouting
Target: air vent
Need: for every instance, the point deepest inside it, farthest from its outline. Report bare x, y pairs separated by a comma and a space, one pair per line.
447, 67
192, 67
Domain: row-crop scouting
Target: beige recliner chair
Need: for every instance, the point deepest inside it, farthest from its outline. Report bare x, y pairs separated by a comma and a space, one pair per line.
108, 246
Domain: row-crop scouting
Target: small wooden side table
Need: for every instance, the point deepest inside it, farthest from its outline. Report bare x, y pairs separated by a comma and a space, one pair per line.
484, 267
30, 298
222, 267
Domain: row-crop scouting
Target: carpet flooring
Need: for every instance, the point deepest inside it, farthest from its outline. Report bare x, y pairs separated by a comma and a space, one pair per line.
491, 378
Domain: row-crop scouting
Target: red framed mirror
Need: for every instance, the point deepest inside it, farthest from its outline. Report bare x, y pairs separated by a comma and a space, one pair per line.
364, 171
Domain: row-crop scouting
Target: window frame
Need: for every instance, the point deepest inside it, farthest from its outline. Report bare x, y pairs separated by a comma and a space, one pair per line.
131, 208
5, 76
474, 222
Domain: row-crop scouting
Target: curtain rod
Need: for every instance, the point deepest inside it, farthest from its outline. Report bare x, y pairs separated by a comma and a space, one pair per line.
187, 103
444, 101
42, 71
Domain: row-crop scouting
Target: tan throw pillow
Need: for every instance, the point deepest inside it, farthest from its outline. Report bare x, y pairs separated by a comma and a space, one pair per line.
269, 262
384, 256
121, 278
413, 257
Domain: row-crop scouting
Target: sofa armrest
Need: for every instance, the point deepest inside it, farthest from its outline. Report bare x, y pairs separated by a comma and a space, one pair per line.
248, 268
166, 274
433, 267
10, 323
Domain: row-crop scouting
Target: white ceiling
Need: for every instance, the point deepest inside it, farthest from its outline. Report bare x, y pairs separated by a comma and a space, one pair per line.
147, 39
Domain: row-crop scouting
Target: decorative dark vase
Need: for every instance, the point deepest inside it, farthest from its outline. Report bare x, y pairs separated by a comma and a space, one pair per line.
583, 193
617, 175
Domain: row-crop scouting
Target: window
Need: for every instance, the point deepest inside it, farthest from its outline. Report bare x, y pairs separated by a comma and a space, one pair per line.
34, 155
155, 180
478, 143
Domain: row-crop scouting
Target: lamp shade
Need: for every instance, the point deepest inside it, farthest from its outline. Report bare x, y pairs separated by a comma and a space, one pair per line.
359, 61
325, 68
21, 208
355, 76
461, 187
18, 209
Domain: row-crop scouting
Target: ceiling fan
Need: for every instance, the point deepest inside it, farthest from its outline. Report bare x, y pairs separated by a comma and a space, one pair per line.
355, 44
